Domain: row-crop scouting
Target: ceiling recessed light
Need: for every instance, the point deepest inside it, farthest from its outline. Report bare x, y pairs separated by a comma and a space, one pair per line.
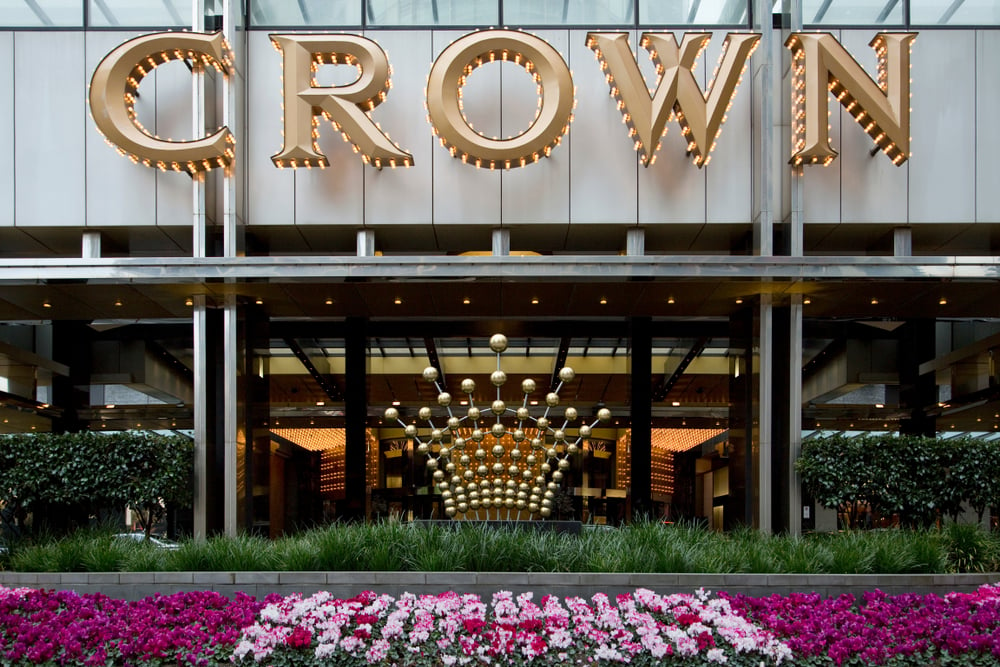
118, 303
739, 300
670, 299
466, 301
676, 404
320, 403
110, 406
397, 301
534, 301
259, 301
880, 405
329, 302
943, 301
806, 301
395, 402
46, 304
189, 301
604, 301
874, 301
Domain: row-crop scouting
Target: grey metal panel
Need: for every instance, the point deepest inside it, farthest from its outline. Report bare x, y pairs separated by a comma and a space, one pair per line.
987, 129
119, 193
7, 128
873, 189
821, 186
603, 165
51, 117
270, 191
535, 193
174, 203
403, 195
464, 194
335, 195
673, 188
942, 182
729, 195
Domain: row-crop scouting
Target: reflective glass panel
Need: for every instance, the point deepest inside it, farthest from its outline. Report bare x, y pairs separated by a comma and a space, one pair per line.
954, 12
305, 12
571, 12
694, 12
41, 13
432, 12
166, 13
852, 12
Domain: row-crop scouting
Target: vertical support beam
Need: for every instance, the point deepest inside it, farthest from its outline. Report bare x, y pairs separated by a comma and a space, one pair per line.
356, 417
641, 371
765, 497
739, 507
71, 346
902, 242
635, 242
501, 242
200, 404
91, 244
763, 87
230, 398
794, 415
795, 223
916, 391
366, 243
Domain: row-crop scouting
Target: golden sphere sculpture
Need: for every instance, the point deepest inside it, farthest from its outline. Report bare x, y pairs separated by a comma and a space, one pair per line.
460, 442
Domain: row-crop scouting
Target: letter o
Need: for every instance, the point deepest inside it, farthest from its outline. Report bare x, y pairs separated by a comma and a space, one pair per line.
461, 58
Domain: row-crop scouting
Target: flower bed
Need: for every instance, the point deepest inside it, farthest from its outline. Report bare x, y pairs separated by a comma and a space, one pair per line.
62, 628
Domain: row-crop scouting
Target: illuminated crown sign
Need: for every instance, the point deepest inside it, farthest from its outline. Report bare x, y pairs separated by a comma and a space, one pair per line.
458, 453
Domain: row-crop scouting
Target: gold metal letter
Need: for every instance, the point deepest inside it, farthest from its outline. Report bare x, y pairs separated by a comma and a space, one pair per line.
347, 107
819, 64
457, 62
677, 91
114, 87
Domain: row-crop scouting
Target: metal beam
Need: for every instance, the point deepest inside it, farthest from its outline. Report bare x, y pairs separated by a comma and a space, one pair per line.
661, 390
560, 360
328, 386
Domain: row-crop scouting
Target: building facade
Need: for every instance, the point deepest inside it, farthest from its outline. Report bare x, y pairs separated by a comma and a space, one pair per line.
260, 223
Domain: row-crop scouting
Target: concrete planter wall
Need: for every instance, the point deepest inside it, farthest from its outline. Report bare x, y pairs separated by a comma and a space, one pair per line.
136, 585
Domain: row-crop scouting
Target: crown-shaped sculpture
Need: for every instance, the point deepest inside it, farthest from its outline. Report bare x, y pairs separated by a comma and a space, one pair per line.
529, 453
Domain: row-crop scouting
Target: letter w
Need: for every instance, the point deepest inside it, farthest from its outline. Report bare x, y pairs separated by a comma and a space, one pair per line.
677, 91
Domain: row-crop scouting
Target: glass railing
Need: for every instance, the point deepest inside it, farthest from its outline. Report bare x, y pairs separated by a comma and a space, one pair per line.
360, 14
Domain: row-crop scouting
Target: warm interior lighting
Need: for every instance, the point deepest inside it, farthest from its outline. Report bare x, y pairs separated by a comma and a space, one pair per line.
874, 301
739, 300
329, 302
879, 405
259, 301
676, 404
189, 301
604, 301
46, 304
806, 301
534, 301
397, 301
320, 403
466, 301
110, 406
395, 402
943, 302
670, 299
118, 303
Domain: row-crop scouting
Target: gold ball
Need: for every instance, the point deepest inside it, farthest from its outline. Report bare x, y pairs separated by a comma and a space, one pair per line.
542, 423
424, 413
552, 486
455, 479
486, 502
497, 468
535, 498
498, 378
604, 415
464, 460
537, 490
498, 407
571, 414
454, 423
410, 431
518, 435
478, 435
532, 507
463, 507
445, 451
468, 385
482, 470
523, 413
469, 474
559, 435
430, 374
450, 511
528, 386
436, 435
515, 454
567, 374
526, 474
432, 464
499, 451
571, 448
438, 475
474, 504
480, 454
442, 485
459, 444
546, 468
513, 470
391, 414
444, 399
498, 430
549, 495
563, 464
498, 343
540, 480
557, 475
422, 449
531, 459
551, 452
524, 486
536, 443
552, 399
585, 431
498, 482
545, 512
521, 504
450, 467
508, 503
446, 495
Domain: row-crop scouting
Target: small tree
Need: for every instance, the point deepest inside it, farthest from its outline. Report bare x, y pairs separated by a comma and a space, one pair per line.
157, 475
977, 473
835, 472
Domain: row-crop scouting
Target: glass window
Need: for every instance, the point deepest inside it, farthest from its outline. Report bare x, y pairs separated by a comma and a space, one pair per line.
41, 13
955, 12
432, 12
694, 12
852, 12
572, 12
166, 13
305, 12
